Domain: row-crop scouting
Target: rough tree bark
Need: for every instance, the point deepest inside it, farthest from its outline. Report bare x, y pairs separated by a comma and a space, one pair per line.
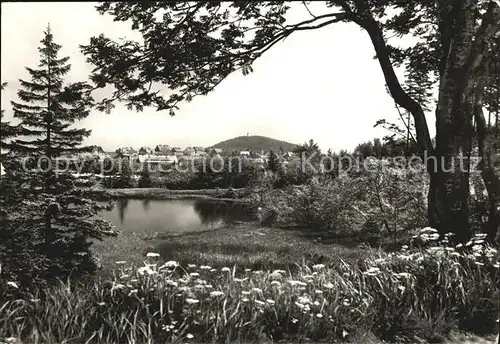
462, 52
488, 155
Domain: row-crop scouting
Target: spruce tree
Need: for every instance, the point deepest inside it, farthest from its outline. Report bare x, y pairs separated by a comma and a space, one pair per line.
273, 162
47, 108
7, 131
47, 223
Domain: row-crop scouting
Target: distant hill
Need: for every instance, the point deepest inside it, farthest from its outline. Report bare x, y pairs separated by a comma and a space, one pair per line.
254, 143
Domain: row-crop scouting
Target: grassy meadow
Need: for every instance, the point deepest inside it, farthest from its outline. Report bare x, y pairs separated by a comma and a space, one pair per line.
247, 284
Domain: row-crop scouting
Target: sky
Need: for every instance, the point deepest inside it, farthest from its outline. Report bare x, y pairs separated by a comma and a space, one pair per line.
322, 84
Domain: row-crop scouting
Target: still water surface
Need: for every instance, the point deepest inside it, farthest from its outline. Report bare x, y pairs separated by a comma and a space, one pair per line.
163, 216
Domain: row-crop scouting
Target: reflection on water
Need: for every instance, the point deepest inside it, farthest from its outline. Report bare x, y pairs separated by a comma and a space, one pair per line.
174, 215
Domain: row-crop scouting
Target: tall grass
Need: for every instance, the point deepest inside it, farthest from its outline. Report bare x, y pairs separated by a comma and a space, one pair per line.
418, 293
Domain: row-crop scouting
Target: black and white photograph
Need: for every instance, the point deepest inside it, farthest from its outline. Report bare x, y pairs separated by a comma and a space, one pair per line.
242, 172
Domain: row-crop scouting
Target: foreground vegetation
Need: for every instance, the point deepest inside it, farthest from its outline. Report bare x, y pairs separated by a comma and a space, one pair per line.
246, 245
420, 293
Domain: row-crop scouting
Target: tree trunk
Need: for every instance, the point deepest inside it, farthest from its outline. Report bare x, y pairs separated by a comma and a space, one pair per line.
491, 177
462, 52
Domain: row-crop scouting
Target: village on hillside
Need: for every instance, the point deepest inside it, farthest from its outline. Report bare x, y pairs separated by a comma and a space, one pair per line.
167, 155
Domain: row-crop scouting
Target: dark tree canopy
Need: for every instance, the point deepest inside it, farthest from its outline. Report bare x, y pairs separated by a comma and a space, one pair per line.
7, 130
190, 47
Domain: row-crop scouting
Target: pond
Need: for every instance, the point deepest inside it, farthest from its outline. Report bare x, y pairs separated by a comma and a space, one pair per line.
174, 216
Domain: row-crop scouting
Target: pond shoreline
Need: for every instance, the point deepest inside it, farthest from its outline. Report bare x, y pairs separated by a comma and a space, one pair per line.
167, 194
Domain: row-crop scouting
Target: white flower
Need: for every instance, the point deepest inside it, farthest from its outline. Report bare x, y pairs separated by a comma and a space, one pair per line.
216, 293
205, 267
189, 336
372, 271
191, 301
260, 303
146, 269
405, 256
319, 315
403, 274
245, 292
245, 299
12, 284
477, 248
171, 264
319, 292
257, 290
276, 283
192, 266
194, 274
120, 262
294, 321
304, 299
328, 285
117, 286
101, 304
428, 230
318, 266
225, 269
152, 255
301, 306
300, 283
271, 302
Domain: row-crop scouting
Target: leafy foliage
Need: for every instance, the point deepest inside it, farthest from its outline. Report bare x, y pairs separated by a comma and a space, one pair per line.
207, 41
145, 178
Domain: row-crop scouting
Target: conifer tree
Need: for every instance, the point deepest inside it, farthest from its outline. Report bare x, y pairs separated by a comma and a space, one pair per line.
46, 222
273, 162
47, 108
7, 130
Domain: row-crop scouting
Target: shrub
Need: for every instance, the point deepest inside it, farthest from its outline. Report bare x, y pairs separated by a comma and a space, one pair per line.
395, 196
319, 205
145, 178
377, 198
46, 233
